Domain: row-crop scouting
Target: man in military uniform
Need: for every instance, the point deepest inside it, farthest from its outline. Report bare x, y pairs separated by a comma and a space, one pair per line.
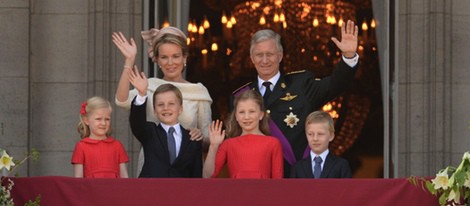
291, 97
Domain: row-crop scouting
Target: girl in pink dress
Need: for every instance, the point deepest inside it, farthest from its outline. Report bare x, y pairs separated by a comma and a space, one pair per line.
98, 155
250, 153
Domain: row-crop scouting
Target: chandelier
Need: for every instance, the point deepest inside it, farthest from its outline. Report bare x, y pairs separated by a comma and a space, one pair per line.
305, 27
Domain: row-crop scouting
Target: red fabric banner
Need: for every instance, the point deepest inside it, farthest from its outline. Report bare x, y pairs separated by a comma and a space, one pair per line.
77, 191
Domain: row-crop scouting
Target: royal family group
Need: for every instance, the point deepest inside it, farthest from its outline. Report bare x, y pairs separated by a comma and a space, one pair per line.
274, 129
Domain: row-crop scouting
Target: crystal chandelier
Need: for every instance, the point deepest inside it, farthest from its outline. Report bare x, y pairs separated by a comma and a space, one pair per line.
305, 27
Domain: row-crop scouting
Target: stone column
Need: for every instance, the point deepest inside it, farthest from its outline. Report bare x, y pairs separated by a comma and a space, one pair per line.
14, 77
433, 116
72, 59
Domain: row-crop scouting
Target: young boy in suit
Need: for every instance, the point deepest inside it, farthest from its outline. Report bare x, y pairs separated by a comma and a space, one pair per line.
168, 150
321, 163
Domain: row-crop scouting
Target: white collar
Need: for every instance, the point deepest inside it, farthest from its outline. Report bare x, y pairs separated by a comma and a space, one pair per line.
322, 155
273, 80
176, 126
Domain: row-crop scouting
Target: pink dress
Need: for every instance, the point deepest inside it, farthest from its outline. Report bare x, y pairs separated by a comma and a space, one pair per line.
100, 158
250, 156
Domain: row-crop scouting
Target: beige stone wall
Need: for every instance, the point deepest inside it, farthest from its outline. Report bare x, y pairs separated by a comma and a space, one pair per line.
14, 75
433, 85
54, 55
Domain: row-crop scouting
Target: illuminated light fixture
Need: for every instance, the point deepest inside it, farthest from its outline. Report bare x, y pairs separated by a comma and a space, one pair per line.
214, 47
201, 30
194, 29
340, 22
206, 23
282, 17
165, 24
229, 25
262, 20
190, 26
364, 26
224, 18
233, 20
315, 22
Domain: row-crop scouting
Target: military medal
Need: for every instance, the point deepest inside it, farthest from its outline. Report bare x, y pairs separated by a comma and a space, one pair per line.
283, 85
291, 120
288, 97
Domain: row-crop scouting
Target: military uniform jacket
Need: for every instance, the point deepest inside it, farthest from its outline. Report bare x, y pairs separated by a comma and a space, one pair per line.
297, 94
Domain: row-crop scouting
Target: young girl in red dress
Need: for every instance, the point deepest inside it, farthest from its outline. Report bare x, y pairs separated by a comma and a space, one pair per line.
250, 153
98, 155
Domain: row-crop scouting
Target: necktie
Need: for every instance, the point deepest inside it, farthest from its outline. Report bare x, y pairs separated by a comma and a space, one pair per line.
171, 144
317, 168
267, 92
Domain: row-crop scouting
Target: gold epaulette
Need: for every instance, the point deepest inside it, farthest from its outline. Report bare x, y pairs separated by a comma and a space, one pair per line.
296, 72
237, 90
302, 71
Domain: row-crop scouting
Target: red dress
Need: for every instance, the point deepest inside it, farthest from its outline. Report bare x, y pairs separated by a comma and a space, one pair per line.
250, 156
100, 158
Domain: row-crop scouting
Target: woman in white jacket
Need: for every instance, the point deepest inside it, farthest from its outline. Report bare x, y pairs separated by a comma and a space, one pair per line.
167, 48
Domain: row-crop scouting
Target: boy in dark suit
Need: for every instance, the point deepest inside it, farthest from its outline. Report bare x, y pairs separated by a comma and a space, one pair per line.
321, 163
168, 150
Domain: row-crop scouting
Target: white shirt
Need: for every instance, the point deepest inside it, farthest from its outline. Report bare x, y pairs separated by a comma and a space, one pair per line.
351, 62
323, 158
178, 135
273, 80
139, 100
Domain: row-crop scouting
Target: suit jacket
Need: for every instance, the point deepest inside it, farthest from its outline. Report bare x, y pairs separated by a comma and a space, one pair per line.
334, 167
154, 142
300, 93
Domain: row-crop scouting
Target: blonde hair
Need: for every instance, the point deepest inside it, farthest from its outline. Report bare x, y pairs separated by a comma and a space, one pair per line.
88, 107
171, 39
321, 117
233, 128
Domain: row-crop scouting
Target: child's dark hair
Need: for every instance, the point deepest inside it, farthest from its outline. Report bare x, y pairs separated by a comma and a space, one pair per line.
168, 88
233, 128
88, 107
